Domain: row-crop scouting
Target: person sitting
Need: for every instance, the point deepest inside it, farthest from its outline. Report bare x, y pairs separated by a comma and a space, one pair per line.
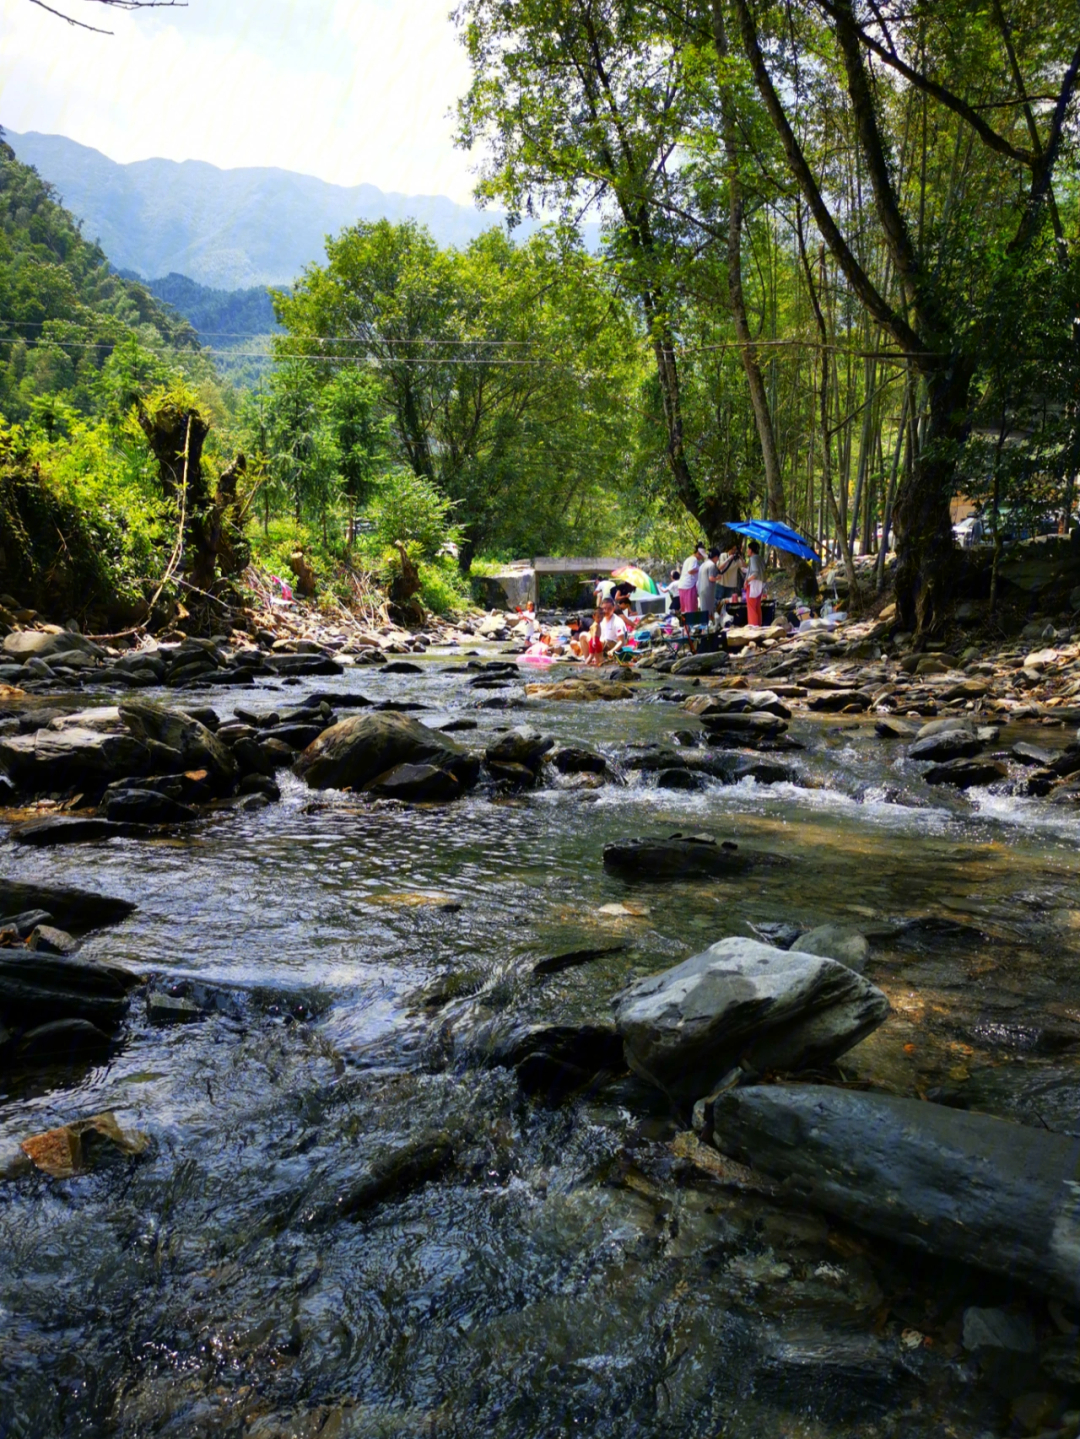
613, 630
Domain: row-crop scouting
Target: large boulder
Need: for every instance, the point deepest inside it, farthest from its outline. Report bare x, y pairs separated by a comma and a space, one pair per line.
43, 644
986, 1191
37, 988
50, 760
74, 909
741, 1001
351, 754
184, 736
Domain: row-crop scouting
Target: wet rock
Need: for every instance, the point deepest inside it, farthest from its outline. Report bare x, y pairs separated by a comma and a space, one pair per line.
296, 666
573, 959
64, 829
144, 806
518, 776
551, 1061
652, 758
998, 1329
74, 909
841, 942
1032, 754
574, 759
581, 691
416, 782
37, 987
738, 702
838, 701
391, 1176
987, 1192
951, 744
71, 1040
943, 726
743, 1002
171, 1008
402, 667
295, 736
196, 747
50, 760
47, 939
358, 750
678, 857
63, 1152
678, 779
749, 724
24, 924
458, 726
706, 664
523, 746
259, 784
963, 773
730, 766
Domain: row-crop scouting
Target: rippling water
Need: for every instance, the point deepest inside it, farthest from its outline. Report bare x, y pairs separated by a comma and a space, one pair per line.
566, 1275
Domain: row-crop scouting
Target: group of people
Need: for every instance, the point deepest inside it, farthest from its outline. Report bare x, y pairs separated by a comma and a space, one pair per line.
708, 580
591, 642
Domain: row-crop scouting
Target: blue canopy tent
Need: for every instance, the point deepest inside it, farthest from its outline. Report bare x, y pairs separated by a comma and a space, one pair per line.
780, 537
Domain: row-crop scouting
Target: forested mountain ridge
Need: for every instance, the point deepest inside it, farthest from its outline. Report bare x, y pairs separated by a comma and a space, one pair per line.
63, 309
227, 229
223, 318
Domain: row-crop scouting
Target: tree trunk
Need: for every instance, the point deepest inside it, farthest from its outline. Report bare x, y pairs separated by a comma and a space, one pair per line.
925, 549
176, 437
759, 399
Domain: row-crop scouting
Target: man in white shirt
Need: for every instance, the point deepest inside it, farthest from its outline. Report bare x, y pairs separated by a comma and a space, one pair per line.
613, 629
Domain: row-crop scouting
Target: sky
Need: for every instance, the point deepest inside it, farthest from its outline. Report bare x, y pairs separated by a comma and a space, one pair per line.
353, 91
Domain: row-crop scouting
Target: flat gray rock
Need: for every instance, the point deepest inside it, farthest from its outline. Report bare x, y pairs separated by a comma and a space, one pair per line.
741, 1001
994, 1194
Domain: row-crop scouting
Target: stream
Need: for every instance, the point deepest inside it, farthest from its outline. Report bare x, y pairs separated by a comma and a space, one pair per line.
571, 1271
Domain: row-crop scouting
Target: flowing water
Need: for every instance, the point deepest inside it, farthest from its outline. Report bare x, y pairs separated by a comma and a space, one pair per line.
569, 1272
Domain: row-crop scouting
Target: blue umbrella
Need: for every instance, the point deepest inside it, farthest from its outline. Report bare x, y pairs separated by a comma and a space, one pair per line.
780, 537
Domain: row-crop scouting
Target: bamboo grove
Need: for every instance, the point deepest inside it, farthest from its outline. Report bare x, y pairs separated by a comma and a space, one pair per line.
849, 231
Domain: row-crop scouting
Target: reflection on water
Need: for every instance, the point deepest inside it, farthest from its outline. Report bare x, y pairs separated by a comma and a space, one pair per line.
569, 1274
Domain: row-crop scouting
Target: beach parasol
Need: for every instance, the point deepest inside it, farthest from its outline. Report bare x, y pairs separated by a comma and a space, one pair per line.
636, 577
778, 536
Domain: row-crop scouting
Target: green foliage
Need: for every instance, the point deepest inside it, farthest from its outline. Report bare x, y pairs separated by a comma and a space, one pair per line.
507, 373
410, 508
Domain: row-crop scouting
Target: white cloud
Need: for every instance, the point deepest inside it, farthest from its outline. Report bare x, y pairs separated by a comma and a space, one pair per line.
350, 90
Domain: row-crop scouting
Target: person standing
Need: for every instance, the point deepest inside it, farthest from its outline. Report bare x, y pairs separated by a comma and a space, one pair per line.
755, 584
706, 583
730, 573
688, 580
671, 589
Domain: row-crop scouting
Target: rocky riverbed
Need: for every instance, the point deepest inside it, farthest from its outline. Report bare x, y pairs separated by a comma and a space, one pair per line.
386, 1138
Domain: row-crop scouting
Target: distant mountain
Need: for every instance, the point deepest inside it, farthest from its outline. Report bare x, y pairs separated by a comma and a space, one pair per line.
226, 229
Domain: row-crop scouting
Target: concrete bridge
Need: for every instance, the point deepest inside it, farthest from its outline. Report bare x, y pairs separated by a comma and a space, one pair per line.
519, 579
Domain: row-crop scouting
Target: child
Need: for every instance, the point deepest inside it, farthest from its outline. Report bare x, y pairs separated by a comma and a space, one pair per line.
596, 644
